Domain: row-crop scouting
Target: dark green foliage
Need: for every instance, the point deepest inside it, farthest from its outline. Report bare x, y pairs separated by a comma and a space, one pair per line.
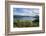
36, 21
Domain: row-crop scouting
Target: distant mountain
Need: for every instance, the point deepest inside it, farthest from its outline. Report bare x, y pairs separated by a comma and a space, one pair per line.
18, 17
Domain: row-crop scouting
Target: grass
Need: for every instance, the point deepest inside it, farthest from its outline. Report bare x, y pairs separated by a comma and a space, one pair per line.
25, 23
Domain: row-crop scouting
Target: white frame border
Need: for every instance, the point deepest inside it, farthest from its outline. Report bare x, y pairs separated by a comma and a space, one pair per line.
24, 29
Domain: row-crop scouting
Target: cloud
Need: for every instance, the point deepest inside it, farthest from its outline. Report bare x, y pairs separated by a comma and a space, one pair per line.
26, 12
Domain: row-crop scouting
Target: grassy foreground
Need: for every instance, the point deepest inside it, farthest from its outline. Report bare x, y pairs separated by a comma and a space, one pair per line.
25, 23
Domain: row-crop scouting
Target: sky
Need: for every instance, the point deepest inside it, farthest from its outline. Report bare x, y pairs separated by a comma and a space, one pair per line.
26, 11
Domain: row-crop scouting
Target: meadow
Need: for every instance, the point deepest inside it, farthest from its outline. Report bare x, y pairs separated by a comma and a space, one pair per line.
25, 23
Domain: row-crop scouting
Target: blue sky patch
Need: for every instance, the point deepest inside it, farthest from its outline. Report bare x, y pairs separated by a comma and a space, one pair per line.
26, 11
